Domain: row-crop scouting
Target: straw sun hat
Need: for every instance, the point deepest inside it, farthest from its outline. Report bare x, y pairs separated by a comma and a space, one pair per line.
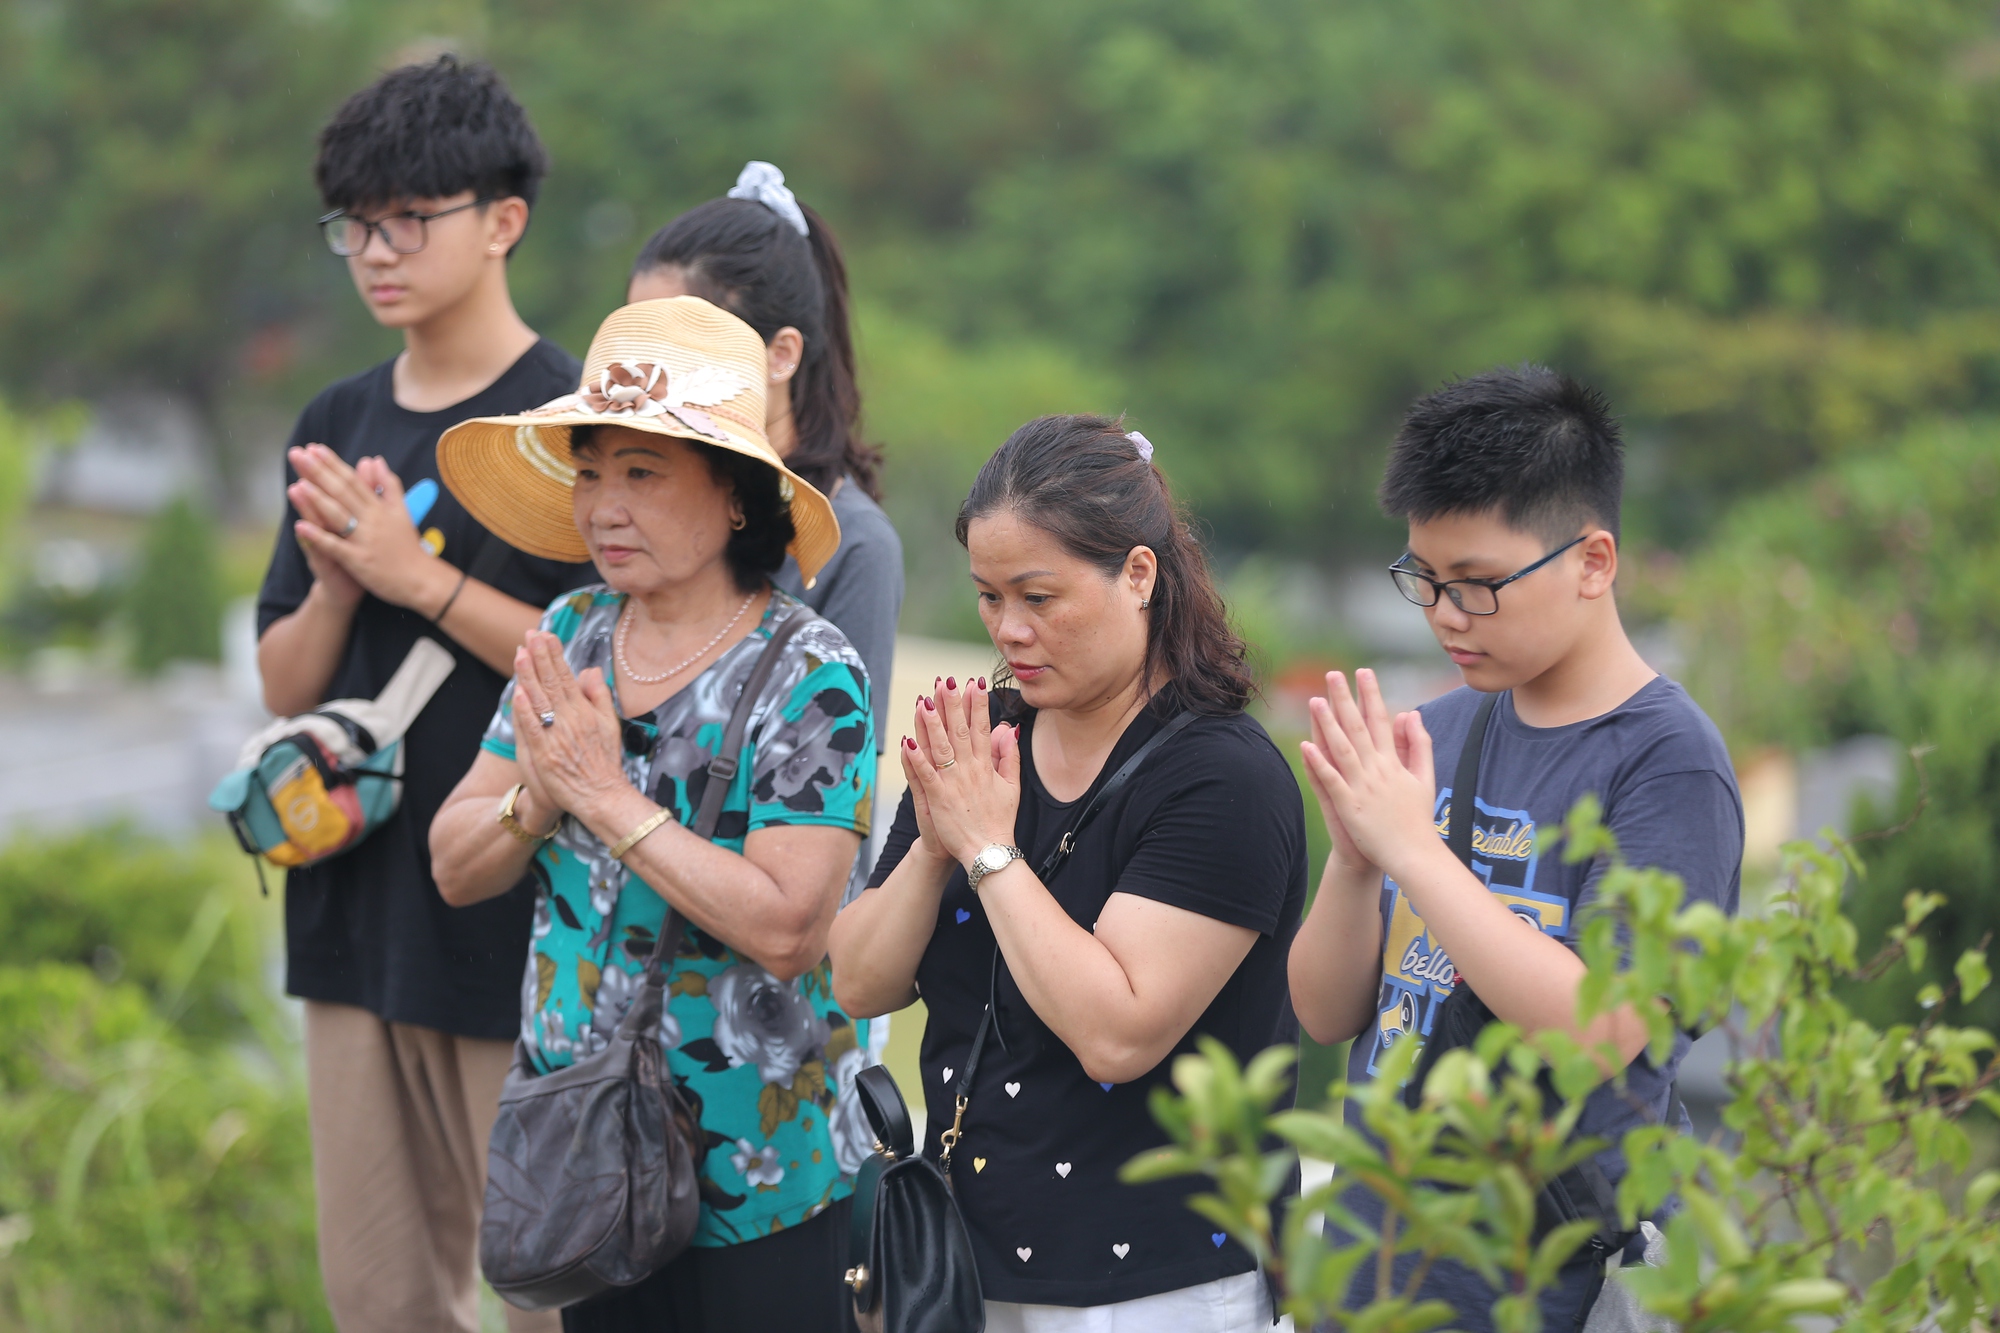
678, 367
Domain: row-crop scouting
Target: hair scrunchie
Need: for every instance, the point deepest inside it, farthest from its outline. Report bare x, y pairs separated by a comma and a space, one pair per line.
764, 183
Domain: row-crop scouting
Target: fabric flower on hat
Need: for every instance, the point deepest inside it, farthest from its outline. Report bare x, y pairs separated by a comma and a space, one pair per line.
644, 389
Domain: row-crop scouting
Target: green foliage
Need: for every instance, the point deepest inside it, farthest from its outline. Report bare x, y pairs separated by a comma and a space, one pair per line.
133, 908
157, 223
1845, 1193
1861, 599
157, 1169
1768, 226
174, 599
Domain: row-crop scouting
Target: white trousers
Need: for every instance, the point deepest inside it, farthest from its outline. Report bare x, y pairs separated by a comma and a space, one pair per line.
1240, 1304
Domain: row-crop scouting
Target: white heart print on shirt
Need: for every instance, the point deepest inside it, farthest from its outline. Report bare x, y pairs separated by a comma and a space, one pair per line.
947, 1073
1013, 1089
1062, 1169
1121, 1249
1024, 1252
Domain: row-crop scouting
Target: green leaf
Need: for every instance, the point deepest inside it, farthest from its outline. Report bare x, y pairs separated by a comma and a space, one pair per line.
1973, 975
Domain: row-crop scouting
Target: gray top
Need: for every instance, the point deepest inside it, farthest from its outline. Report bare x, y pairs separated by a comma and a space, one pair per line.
861, 588
1660, 768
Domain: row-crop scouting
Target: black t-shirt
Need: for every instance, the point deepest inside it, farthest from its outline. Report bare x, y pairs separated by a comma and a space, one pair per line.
1212, 823
367, 927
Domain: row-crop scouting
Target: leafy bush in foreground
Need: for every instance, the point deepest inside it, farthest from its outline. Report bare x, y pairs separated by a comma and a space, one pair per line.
1843, 1191
155, 1169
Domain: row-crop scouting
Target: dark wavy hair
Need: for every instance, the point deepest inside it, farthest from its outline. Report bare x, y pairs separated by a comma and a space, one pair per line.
740, 255
1081, 480
755, 552
429, 131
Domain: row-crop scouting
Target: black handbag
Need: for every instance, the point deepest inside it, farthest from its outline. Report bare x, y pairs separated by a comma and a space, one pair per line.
590, 1175
914, 1271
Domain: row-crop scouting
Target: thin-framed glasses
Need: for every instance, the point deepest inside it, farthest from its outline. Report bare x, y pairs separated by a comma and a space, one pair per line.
1475, 597
347, 235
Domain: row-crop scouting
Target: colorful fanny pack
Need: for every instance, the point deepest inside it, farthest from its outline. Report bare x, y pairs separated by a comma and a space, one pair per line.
309, 787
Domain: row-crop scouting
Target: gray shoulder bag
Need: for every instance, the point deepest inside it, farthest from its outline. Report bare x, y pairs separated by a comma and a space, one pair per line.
590, 1172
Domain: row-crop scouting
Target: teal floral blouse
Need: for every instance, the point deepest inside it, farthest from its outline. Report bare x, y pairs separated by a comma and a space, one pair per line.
768, 1066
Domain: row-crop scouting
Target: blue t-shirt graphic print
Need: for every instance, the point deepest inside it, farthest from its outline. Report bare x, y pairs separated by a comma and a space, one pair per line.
1417, 973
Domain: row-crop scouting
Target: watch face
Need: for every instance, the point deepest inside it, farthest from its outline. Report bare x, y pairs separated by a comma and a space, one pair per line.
994, 858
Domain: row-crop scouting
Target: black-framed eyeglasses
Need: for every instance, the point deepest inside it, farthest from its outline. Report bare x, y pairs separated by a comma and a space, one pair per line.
347, 235
1475, 597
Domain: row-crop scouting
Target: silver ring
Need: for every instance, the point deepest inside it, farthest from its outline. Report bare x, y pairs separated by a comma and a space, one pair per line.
947, 763
352, 523
548, 719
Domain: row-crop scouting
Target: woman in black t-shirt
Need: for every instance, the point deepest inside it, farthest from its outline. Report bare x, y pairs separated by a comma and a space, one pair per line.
1171, 916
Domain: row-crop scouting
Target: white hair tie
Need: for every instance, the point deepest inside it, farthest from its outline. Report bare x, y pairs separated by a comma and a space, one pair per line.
765, 184
1142, 444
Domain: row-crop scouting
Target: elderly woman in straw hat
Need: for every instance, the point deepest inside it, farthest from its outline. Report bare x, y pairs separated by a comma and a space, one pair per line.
657, 469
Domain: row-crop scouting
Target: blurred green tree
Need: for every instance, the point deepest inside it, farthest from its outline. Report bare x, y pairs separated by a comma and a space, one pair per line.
159, 193
174, 600
1768, 227
1865, 598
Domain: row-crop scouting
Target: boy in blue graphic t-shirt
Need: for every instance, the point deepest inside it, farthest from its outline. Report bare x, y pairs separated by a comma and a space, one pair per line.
1510, 482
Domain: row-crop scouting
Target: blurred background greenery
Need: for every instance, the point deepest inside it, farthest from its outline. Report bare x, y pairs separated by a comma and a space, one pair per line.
1769, 229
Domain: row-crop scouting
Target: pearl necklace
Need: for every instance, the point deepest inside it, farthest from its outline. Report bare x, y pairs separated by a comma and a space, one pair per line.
624, 628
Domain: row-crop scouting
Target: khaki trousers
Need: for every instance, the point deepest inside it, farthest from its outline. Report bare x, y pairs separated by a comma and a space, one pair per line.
400, 1117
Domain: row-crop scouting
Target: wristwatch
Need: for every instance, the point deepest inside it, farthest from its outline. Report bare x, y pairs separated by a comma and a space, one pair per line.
990, 859
505, 817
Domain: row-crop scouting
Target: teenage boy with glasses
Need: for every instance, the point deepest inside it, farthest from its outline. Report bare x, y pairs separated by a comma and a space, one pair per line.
1510, 482
410, 1005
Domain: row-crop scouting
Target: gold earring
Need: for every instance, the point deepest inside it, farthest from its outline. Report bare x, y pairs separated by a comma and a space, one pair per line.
738, 523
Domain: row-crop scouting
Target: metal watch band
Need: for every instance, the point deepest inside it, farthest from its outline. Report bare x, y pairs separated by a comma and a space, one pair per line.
507, 819
979, 871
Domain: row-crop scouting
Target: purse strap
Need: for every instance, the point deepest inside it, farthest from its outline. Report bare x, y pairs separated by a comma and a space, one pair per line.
1054, 860
1465, 783
1051, 864
722, 769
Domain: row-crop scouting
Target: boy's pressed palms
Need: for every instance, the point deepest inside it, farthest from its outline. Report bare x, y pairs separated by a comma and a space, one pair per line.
1374, 773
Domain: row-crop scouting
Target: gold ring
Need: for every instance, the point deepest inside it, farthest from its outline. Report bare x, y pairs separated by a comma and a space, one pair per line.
947, 764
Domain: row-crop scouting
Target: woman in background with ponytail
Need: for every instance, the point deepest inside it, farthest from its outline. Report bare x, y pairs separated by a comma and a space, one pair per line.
774, 263
1059, 992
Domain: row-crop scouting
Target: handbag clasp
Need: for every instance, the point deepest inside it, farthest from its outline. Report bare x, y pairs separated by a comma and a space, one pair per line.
949, 1139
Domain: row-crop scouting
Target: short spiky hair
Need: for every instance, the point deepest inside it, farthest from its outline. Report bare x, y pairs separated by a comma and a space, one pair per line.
429, 131
1537, 447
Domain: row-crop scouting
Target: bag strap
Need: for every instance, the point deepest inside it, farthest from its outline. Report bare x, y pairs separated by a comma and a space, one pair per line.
1465, 783
887, 1114
1054, 860
1051, 864
723, 766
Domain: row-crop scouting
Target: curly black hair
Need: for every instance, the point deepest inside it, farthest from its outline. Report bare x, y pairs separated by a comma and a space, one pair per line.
428, 132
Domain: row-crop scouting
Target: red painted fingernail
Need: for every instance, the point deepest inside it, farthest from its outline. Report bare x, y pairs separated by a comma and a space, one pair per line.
909, 744
929, 706
951, 682
982, 682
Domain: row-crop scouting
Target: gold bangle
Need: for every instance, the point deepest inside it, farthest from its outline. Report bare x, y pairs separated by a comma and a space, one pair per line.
631, 840
506, 818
